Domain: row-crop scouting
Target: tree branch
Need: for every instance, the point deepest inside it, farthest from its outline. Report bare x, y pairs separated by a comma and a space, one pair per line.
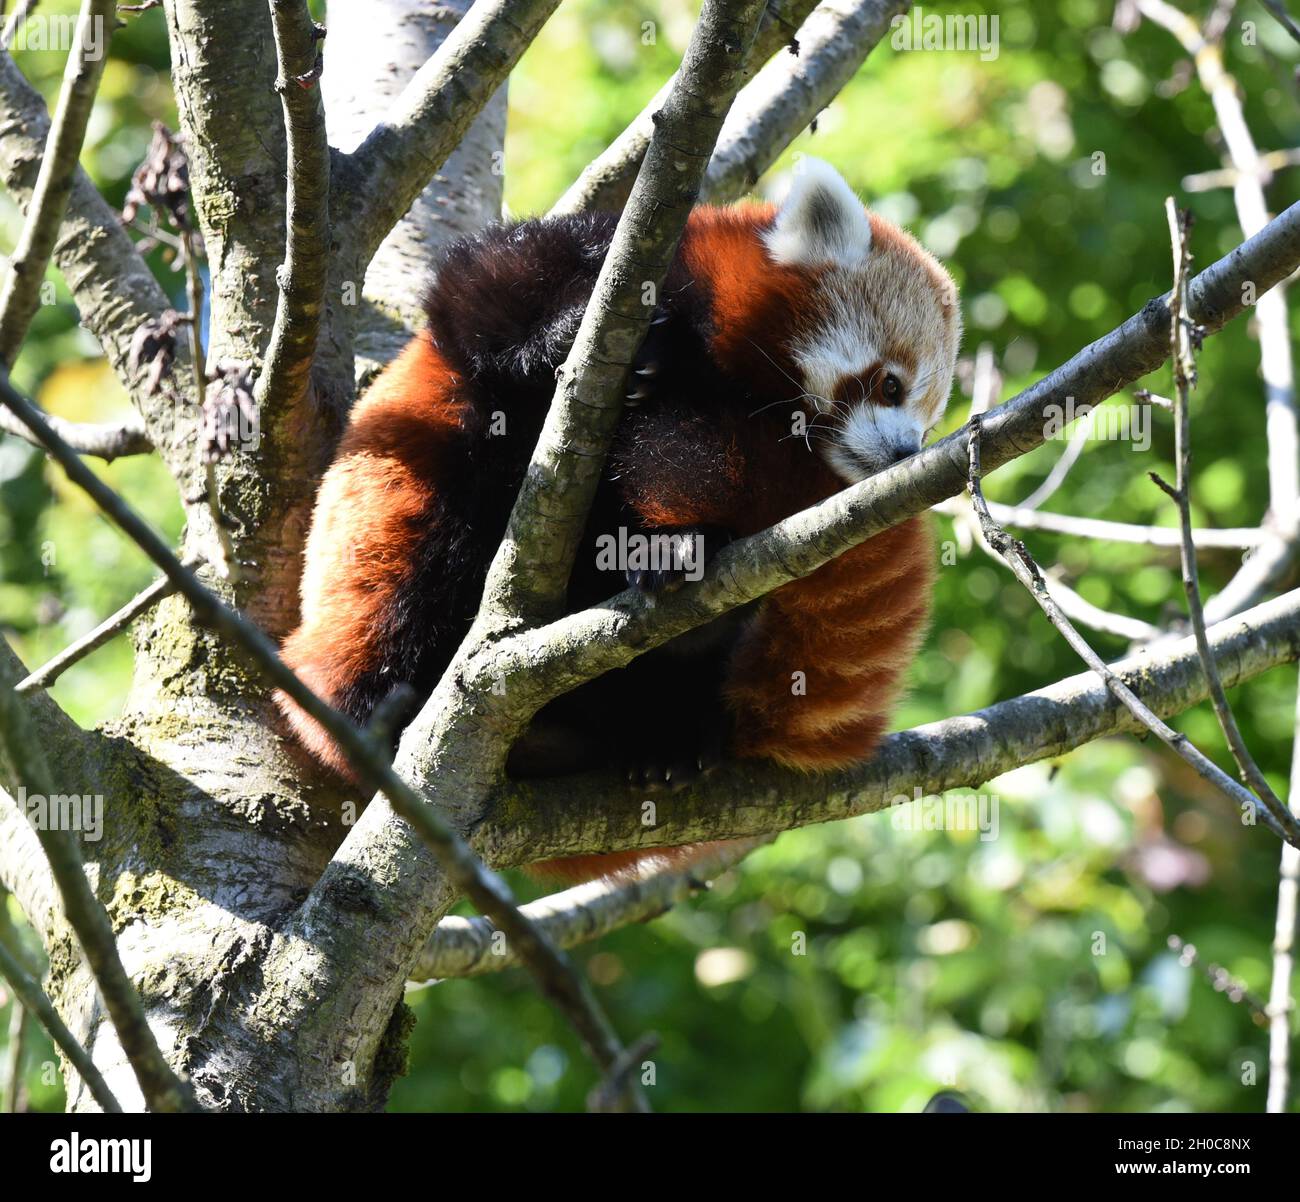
21, 295
33, 999
1281, 1005
790, 91
1027, 572
1181, 354
1230, 539
24, 871
1269, 566
286, 374
17, 19
114, 290
575, 815
385, 43
530, 572
162, 1089
607, 180
381, 178
104, 440
146, 599
471, 947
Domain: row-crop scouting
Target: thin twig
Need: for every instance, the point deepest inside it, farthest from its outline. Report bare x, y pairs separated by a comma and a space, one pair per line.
1227, 539
49, 672
35, 1002
226, 561
470, 947
17, 19
104, 440
1027, 572
1222, 980
113, 287
20, 296
1061, 468
556, 977
19, 1024
1181, 342
1271, 563
605, 1096
1073, 605
1278, 9
1270, 161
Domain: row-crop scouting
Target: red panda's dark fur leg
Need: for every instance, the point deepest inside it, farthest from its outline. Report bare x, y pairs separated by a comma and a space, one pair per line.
386, 515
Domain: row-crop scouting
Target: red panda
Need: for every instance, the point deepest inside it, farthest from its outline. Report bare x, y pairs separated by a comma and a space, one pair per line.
794, 350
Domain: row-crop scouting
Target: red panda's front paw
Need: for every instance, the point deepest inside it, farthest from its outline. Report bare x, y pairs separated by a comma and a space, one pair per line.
673, 557
642, 383
682, 760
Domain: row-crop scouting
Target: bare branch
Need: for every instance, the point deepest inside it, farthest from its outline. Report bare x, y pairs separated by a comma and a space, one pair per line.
35, 1002
1281, 1006
162, 1089
471, 947
286, 375
1061, 468
14, 1098
104, 440
607, 180
385, 42
605, 1096
1073, 605
530, 572
1230, 539
1027, 572
574, 815
390, 168
1278, 9
23, 869
790, 91
21, 295
1272, 562
1226, 177
1181, 354
1224, 982
17, 19
48, 673
114, 290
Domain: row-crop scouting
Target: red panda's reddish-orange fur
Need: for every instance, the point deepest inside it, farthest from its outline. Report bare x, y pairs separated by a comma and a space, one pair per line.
416, 500
373, 506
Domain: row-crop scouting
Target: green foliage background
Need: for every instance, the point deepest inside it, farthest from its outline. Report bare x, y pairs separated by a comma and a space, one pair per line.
1031, 970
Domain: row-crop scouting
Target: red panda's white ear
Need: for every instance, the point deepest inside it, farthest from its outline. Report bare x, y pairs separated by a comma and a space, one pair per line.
821, 221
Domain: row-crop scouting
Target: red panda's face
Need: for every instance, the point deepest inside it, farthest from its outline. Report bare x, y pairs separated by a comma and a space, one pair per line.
877, 327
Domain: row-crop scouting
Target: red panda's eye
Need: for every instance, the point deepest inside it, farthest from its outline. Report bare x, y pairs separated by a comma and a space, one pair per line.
891, 390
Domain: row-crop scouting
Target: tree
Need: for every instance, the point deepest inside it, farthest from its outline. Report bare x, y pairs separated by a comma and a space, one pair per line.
249, 934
